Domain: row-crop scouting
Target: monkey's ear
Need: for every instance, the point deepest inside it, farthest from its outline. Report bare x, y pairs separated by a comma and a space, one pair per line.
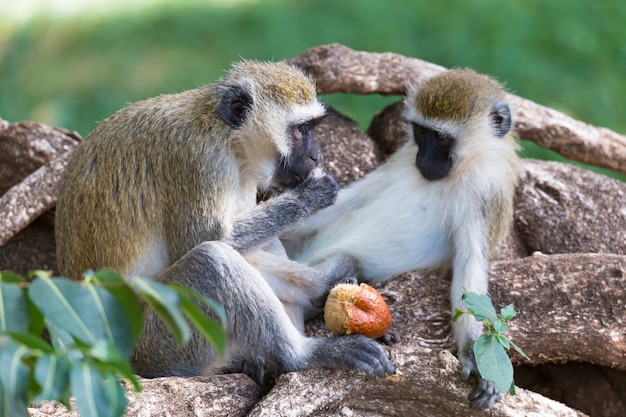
500, 117
236, 105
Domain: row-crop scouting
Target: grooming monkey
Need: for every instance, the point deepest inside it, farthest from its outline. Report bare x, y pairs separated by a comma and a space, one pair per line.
443, 200
166, 188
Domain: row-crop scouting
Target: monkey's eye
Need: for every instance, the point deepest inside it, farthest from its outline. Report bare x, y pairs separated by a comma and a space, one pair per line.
440, 137
299, 132
302, 130
418, 130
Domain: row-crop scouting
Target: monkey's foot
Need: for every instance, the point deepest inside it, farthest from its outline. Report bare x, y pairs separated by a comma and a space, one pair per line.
484, 394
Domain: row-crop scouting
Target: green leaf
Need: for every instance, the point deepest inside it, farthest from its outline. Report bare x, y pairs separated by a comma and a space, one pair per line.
215, 307
111, 316
37, 321
11, 277
53, 296
117, 397
493, 362
480, 306
110, 359
512, 389
92, 392
121, 290
52, 374
105, 351
4, 411
123, 369
209, 328
165, 302
14, 378
507, 312
86, 311
504, 341
31, 341
457, 314
62, 341
500, 327
13, 308
520, 351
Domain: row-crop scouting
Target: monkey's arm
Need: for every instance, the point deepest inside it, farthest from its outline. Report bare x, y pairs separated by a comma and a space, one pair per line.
352, 197
269, 219
470, 273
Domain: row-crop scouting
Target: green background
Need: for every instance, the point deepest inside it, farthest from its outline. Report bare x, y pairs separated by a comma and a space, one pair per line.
75, 63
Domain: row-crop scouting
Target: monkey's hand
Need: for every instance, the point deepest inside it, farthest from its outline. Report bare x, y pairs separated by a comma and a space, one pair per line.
484, 394
319, 190
269, 219
352, 351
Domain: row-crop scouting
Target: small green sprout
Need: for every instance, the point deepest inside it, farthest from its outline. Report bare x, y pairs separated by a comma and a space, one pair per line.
489, 349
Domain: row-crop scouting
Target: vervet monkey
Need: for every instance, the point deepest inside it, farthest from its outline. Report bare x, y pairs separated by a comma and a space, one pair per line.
443, 200
166, 188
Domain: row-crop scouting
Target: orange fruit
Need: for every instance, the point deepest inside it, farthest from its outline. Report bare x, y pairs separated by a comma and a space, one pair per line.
356, 309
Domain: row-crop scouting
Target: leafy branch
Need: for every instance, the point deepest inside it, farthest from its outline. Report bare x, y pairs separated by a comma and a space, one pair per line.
489, 349
92, 327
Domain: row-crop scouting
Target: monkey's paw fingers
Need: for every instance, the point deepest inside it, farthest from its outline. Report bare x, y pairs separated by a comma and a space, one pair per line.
317, 173
357, 351
484, 394
373, 360
318, 191
348, 280
390, 338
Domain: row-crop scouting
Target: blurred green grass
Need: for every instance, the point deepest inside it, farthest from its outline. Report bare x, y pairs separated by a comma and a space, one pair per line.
74, 71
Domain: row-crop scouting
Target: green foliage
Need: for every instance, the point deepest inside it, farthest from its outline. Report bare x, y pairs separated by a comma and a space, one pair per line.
489, 349
92, 327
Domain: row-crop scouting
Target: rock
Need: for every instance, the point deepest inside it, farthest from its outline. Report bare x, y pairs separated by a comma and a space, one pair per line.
26, 146
386, 129
347, 153
222, 395
428, 384
565, 209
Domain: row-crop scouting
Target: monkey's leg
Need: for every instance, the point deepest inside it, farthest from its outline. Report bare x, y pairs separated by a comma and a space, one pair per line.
469, 273
293, 283
259, 332
301, 289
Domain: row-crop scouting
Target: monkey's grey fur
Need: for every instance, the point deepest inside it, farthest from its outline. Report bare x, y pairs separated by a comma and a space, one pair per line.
166, 188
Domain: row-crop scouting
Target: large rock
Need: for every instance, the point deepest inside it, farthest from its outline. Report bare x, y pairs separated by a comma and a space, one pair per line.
565, 209
427, 384
216, 396
26, 146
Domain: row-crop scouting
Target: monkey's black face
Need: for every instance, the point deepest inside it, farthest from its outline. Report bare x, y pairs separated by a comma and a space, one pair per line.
304, 156
433, 156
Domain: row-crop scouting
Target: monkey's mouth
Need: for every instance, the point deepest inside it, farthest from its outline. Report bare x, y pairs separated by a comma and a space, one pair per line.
433, 169
289, 177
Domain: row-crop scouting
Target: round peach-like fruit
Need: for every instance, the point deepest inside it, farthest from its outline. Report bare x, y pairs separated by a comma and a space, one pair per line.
357, 309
